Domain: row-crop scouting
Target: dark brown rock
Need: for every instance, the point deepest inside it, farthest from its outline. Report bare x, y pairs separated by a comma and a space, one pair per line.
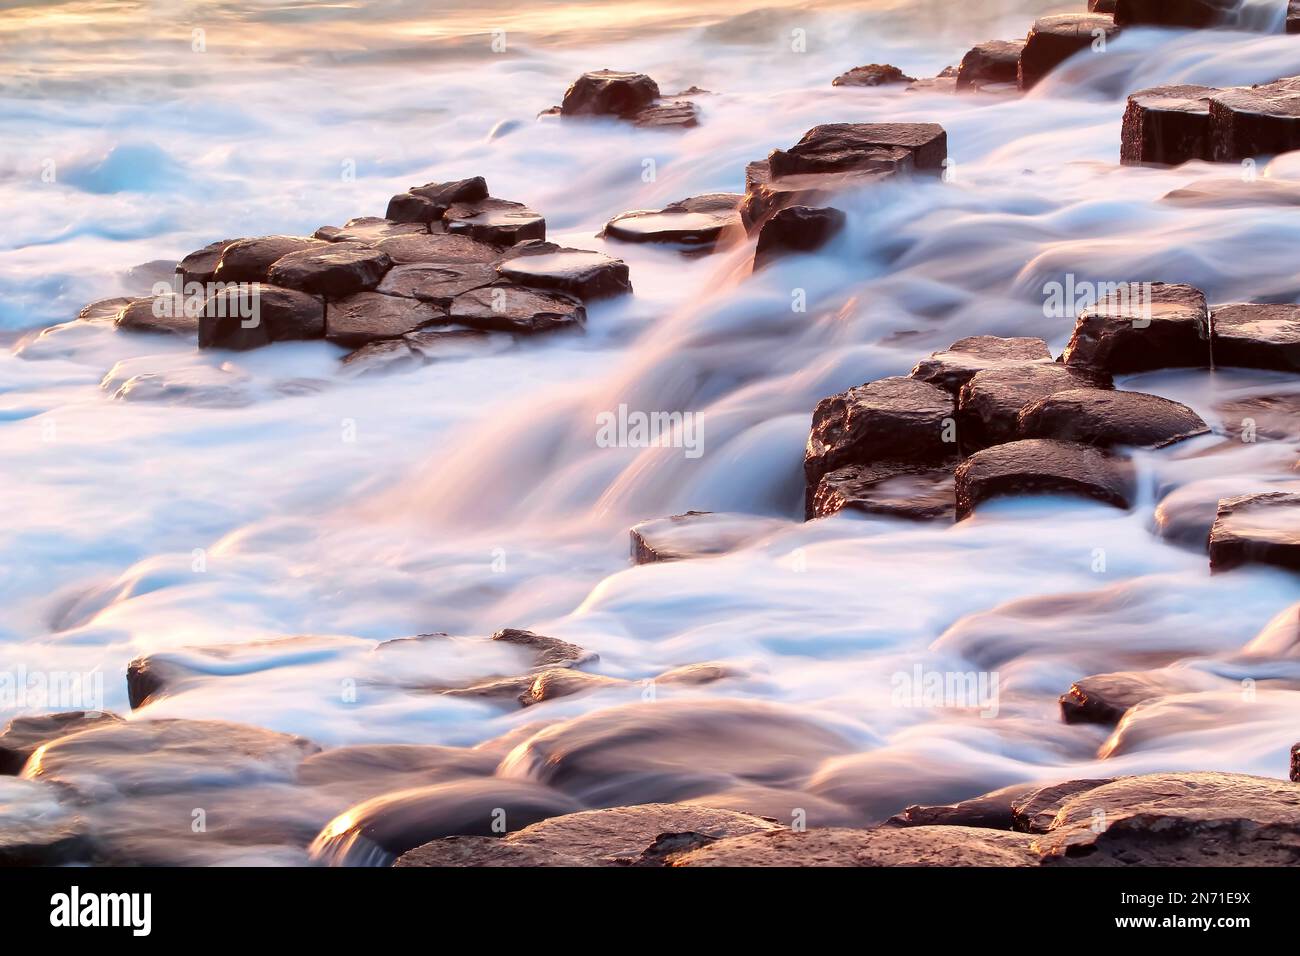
366, 316
1173, 13
796, 229
991, 811
250, 260
1103, 698
1035, 810
1255, 121
410, 208
1110, 417
200, 265
989, 405
892, 489
668, 114
873, 147
1169, 328
436, 283
1257, 529
369, 229
609, 93
995, 61
496, 221
546, 651
23, 735
893, 419
1256, 335
765, 193
957, 365
883, 846
1293, 26
701, 221
167, 314
281, 315
873, 74
512, 308
1295, 749
458, 190
1043, 466
1101, 6
587, 275
438, 249
1166, 126
1055, 39
334, 270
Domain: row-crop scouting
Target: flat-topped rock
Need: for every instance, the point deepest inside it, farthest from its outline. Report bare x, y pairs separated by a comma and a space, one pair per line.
1053, 40
892, 419
384, 357
1174, 13
957, 364
369, 229
438, 249
1256, 335
366, 316
883, 846
1169, 327
587, 275
333, 270
797, 229
870, 147
200, 266
512, 308
697, 222
281, 315
891, 489
1043, 466
23, 735
165, 314
995, 61
989, 405
1255, 121
1104, 698
1166, 126
609, 93
1257, 529
1110, 417
696, 534
668, 114
437, 283
250, 260
496, 221
873, 74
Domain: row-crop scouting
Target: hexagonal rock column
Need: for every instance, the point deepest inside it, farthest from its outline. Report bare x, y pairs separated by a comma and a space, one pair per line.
1043, 466
1257, 335
996, 61
1252, 121
1110, 417
1173, 13
1166, 327
698, 222
1257, 529
796, 229
1166, 125
1053, 40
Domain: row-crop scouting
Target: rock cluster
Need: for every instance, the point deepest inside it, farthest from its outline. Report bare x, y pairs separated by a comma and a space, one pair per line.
873, 74
633, 97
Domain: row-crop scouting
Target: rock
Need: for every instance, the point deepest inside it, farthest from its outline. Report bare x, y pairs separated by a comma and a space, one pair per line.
435, 344
1173, 13
1101, 6
989, 405
37, 829
496, 221
381, 768
1168, 328
1293, 23
609, 93
334, 270
957, 365
369, 229
458, 190
587, 275
384, 356
434, 283
377, 831
1166, 126
1295, 749
366, 316
200, 266
675, 114
1178, 819
696, 534
166, 756
1257, 529
1110, 417
766, 194
167, 314
892, 419
1255, 121
1043, 466
1103, 698
936, 84
410, 208
796, 229
1256, 335
883, 846
1034, 811
620, 836
843, 147
1263, 416
873, 74
995, 61
511, 308
1055, 39
23, 735
1235, 193
701, 222
438, 249
104, 310
546, 651
991, 811
281, 315
250, 260
892, 489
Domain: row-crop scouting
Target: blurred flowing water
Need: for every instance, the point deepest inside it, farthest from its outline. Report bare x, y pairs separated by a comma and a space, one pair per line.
471, 495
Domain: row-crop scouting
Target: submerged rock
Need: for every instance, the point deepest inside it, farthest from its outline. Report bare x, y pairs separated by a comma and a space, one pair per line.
1043, 466
1257, 529
1256, 335
696, 534
513, 308
38, 829
23, 735
334, 270
546, 651
1166, 125
796, 229
873, 74
1169, 327
668, 114
957, 365
1055, 39
364, 317
698, 222
1104, 698
165, 314
892, 489
995, 61
1110, 417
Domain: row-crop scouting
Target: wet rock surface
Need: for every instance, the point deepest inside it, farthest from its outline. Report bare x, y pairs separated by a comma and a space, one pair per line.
1104, 698
1257, 529
250, 260
281, 315
1255, 121
164, 314
1173, 13
200, 266
1110, 417
873, 74
990, 404
512, 308
996, 61
697, 222
496, 221
796, 229
1166, 125
890, 489
1043, 466
438, 249
338, 269
23, 735
1165, 327
1055, 39
368, 229
874, 147
38, 829
1254, 335
957, 365
358, 319
438, 283
695, 534
587, 275
628, 96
